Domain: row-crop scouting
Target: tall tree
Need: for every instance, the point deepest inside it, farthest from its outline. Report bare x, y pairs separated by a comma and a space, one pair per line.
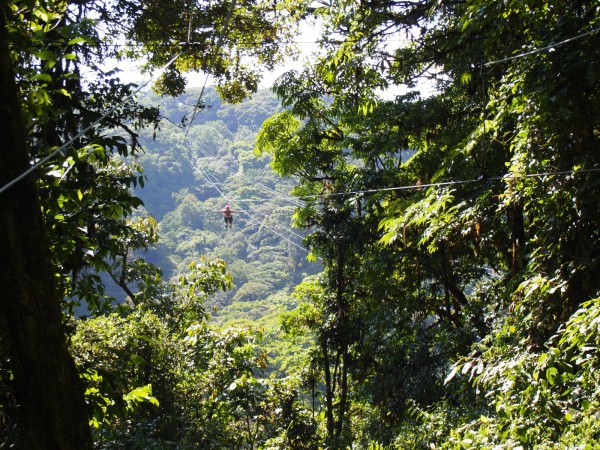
47, 389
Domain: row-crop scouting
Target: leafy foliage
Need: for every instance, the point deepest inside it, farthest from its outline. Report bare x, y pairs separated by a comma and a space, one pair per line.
448, 224
191, 382
546, 399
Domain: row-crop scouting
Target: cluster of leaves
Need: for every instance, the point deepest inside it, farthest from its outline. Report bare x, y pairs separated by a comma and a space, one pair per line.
445, 220
225, 39
158, 374
545, 399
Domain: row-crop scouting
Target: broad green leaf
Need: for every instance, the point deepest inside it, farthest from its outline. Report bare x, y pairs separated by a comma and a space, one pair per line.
585, 405
42, 77
138, 360
46, 55
551, 374
81, 40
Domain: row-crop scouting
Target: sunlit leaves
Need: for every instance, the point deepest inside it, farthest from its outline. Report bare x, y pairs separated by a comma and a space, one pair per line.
139, 395
277, 135
546, 398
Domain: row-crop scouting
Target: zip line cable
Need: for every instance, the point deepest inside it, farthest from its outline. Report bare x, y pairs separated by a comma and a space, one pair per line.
278, 234
289, 230
211, 179
395, 188
405, 187
253, 182
453, 183
421, 186
541, 49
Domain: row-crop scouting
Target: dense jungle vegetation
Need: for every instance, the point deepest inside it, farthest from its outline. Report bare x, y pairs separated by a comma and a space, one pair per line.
439, 288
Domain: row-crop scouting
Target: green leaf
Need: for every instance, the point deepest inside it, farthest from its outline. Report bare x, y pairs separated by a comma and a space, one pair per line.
551, 374
140, 394
138, 360
81, 40
46, 55
585, 405
42, 77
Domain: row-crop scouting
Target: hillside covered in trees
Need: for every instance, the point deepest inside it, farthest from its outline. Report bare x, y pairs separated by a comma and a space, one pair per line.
192, 173
439, 288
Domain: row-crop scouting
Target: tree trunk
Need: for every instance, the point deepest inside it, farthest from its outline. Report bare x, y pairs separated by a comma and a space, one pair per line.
329, 389
52, 413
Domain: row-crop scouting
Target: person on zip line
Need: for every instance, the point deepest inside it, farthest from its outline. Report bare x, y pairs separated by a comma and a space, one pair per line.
228, 215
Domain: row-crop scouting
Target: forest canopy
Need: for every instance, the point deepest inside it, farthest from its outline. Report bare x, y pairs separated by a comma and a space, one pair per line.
457, 229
